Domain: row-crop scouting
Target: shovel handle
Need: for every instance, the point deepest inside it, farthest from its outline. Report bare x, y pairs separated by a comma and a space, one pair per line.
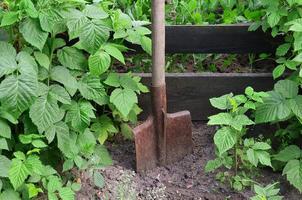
158, 43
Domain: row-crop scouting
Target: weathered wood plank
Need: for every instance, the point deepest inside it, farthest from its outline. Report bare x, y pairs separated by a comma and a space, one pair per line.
192, 92
217, 39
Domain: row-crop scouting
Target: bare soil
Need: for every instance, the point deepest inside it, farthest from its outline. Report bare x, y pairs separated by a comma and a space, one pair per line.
185, 180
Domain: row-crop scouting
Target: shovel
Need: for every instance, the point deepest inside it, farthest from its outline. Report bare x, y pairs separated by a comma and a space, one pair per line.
163, 138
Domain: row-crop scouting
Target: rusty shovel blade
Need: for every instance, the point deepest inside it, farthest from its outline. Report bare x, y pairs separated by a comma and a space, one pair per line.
178, 143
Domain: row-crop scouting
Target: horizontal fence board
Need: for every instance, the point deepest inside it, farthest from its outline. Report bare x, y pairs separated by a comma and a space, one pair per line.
190, 91
217, 39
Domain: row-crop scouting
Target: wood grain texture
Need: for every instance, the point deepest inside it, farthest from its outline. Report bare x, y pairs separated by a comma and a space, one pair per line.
192, 91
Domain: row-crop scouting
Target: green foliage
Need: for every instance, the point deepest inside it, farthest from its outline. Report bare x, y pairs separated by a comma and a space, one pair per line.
269, 192
59, 100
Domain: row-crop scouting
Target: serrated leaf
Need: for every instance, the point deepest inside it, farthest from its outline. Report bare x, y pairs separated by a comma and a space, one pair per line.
42, 59
66, 193
9, 194
18, 92
222, 102
283, 49
126, 131
103, 127
289, 153
239, 121
49, 18
91, 88
4, 166
102, 156
123, 100
114, 52
293, 172
3, 144
57, 128
62, 75
72, 58
32, 33
288, 88
275, 107
224, 139
80, 115
220, 119
18, 172
99, 63
113, 79
212, 165
264, 158
95, 12
9, 18
296, 105
94, 33
45, 112
5, 130
261, 146
8, 62
146, 44
60, 94
75, 22
251, 156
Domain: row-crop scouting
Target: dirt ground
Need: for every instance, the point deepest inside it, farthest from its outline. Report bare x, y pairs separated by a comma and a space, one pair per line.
185, 180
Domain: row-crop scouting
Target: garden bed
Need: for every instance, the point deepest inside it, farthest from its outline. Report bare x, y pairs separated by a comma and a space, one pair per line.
192, 91
183, 180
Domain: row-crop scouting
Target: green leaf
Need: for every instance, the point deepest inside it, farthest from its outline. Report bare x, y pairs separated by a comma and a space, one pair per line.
123, 100
95, 12
18, 92
289, 153
72, 58
4, 166
273, 19
75, 22
42, 59
45, 112
103, 127
8, 62
93, 35
66, 193
293, 172
80, 115
264, 158
146, 44
3, 144
98, 179
225, 139
278, 71
5, 130
222, 103
68, 165
18, 172
29, 8
102, 156
252, 157
113, 80
49, 19
91, 88
60, 94
220, 119
39, 144
275, 107
114, 52
9, 18
57, 128
296, 106
283, 49
9, 194
288, 88
212, 165
261, 146
99, 63
32, 33
239, 121
54, 184
76, 187
62, 75
127, 131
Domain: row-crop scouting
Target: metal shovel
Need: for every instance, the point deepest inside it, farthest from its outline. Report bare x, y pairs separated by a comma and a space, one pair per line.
163, 138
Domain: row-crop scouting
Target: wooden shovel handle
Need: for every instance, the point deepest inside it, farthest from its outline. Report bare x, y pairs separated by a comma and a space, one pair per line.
158, 43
